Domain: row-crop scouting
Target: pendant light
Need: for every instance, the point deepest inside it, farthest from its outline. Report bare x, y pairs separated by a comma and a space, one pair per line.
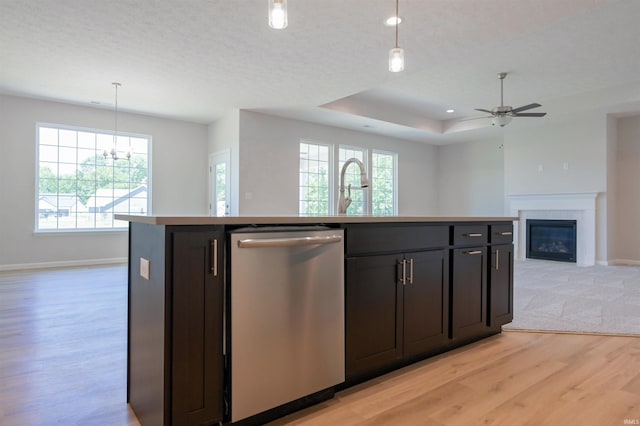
396, 55
278, 14
114, 150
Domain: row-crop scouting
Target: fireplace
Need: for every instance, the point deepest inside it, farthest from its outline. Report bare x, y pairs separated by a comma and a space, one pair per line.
551, 239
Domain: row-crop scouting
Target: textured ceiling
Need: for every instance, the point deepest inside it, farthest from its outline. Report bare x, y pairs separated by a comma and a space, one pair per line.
195, 59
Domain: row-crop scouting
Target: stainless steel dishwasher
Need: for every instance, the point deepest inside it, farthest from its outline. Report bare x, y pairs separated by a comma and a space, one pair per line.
287, 316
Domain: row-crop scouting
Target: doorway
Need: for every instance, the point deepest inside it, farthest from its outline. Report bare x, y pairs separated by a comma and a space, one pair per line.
219, 183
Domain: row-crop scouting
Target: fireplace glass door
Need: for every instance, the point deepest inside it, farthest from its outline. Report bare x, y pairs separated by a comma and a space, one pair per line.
551, 239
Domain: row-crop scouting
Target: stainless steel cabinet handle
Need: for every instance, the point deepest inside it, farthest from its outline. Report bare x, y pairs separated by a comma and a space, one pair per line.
403, 277
497, 259
505, 234
410, 271
214, 257
473, 252
473, 234
289, 242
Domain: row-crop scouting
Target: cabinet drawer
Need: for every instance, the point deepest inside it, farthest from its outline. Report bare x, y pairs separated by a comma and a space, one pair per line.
366, 239
501, 234
464, 235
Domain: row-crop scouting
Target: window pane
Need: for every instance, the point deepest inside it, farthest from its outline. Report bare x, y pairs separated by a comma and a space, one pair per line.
48, 170
87, 156
67, 154
104, 142
67, 170
86, 220
383, 185
48, 153
67, 138
48, 136
48, 186
314, 179
80, 188
87, 140
139, 146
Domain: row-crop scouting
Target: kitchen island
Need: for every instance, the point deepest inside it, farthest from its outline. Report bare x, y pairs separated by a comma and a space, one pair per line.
413, 287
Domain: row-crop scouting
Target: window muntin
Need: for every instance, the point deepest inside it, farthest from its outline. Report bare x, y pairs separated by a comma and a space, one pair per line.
383, 183
315, 176
80, 189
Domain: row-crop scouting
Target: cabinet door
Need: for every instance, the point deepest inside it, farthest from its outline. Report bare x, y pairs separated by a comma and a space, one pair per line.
426, 299
501, 285
196, 361
373, 313
469, 292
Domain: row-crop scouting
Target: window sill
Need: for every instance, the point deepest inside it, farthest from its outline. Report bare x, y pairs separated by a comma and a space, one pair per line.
56, 232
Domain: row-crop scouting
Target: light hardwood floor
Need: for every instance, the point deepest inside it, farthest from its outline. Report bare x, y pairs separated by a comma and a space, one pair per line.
516, 378
63, 362
63, 347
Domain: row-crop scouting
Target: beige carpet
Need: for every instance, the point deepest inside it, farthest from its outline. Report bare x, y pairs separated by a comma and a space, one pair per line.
559, 296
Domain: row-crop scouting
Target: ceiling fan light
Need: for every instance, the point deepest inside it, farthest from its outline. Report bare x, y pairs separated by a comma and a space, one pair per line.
396, 59
278, 14
501, 120
392, 21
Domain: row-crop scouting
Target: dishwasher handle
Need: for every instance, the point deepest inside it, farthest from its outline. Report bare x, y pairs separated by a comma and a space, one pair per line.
289, 242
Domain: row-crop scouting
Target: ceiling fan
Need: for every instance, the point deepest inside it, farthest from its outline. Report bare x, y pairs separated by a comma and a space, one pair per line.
503, 114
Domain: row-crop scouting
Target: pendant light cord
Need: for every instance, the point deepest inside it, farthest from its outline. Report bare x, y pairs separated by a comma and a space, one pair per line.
115, 134
397, 22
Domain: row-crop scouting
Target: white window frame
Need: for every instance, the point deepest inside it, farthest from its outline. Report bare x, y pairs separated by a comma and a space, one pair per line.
335, 169
331, 171
394, 155
113, 228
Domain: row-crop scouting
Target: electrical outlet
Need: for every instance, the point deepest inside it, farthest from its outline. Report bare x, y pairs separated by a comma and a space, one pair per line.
145, 268
565, 165
540, 167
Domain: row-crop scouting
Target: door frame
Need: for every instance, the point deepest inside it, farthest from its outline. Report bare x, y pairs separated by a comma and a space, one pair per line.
216, 158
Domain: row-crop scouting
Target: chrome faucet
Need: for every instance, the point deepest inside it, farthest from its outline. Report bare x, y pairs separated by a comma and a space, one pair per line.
344, 203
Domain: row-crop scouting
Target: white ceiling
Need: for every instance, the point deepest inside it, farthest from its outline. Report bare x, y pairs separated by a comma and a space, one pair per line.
195, 59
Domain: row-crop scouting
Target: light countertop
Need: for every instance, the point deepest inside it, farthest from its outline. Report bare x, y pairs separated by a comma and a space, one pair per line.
294, 220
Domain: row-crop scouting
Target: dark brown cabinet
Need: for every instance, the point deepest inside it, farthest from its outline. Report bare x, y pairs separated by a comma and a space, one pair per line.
469, 292
373, 313
175, 362
426, 302
501, 275
197, 365
396, 307
501, 285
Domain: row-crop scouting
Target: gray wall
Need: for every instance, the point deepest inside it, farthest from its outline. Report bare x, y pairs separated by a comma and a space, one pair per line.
461, 179
471, 179
628, 185
535, 157
581, 143
179, 180
269, 164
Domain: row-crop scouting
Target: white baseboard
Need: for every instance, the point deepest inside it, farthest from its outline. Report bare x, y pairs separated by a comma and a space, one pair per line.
626, 262
63, 264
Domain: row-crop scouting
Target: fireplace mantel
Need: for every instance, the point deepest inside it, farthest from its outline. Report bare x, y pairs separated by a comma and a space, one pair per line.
579, 206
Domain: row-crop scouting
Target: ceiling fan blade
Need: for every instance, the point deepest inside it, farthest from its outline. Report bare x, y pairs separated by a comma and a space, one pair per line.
530, 114
526, 107
475, 118
484, 110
